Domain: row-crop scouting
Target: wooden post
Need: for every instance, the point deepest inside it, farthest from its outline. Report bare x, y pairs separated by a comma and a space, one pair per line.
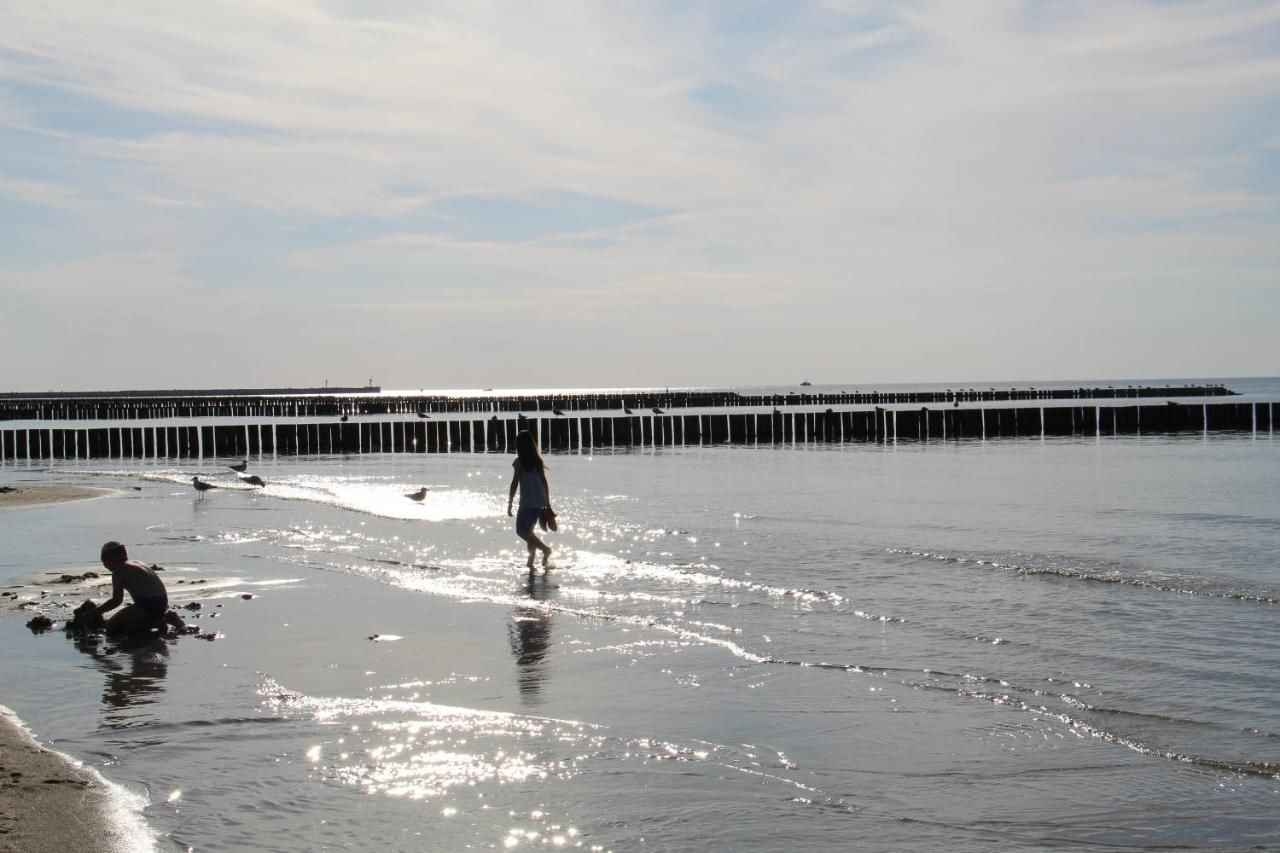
1125, 420
719, 429
692, 429
1028, 422
348, 436
764, 429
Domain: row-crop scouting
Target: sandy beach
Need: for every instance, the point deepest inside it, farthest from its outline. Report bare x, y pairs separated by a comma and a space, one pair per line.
51, 803
20, 497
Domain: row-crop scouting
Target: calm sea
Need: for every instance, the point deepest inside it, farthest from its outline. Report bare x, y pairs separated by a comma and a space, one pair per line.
1016, 644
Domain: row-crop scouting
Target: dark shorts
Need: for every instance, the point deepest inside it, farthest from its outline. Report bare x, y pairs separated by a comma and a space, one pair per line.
154, 605
526, 518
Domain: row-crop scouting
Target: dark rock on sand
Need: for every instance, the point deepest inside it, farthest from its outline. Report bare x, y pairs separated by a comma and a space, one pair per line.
193, 605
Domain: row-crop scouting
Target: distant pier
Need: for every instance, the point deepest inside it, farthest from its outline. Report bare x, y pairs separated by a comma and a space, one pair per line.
326, 402
257, 429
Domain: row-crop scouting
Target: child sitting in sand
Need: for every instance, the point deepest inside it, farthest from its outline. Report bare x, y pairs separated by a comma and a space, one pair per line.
150, 607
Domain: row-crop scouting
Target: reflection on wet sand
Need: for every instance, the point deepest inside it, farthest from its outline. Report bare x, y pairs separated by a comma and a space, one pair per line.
530, 636
135, 672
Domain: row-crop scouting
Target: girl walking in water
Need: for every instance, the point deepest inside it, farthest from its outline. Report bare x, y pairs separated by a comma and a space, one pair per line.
535, 496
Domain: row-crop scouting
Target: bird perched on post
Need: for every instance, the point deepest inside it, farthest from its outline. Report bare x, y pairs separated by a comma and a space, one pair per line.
239, 466
418, 495
201, 486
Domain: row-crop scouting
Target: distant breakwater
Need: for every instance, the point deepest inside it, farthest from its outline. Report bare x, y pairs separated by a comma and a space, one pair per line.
298, 403
570, 432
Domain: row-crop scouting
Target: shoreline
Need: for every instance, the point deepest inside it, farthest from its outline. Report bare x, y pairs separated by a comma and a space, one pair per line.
53, 803
24, 496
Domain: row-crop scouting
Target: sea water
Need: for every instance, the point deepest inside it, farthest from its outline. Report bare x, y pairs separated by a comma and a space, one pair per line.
1011, 644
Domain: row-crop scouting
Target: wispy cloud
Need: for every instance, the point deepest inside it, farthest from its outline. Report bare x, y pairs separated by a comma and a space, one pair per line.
833, 165
40, 193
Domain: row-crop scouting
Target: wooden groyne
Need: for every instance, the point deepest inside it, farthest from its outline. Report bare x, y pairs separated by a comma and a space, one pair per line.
574, 433
314, 402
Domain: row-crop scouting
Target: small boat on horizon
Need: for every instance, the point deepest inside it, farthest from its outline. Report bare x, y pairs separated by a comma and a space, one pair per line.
806, 383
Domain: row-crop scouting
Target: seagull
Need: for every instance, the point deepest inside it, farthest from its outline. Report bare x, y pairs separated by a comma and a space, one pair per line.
251, 479
239, 466
556, 412
625, 410
201, 486
423, 415
418, 495
657, 411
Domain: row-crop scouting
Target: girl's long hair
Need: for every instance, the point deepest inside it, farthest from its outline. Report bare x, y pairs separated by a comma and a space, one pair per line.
527, 452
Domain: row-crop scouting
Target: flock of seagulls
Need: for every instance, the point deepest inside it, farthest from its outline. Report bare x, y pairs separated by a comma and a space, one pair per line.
626, 410
420, 495
239, 468
254, 480
554, 411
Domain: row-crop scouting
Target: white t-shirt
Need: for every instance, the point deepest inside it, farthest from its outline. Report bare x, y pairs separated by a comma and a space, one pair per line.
532, 494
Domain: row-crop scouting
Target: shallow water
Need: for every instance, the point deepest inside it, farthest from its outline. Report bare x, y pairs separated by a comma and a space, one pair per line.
1009, 644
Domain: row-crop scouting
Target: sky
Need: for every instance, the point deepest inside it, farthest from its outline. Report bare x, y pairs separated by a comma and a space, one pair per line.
553, 193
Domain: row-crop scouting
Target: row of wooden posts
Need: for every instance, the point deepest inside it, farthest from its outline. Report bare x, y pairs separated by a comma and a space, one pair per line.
154, 405
587, 433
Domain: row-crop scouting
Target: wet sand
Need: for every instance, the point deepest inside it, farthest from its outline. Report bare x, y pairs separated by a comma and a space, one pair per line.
19, 497
50, 803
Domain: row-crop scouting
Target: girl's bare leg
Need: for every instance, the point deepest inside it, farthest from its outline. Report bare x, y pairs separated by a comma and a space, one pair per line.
535, 545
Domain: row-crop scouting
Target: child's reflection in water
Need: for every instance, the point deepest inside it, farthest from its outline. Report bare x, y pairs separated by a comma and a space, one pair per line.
530, 636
